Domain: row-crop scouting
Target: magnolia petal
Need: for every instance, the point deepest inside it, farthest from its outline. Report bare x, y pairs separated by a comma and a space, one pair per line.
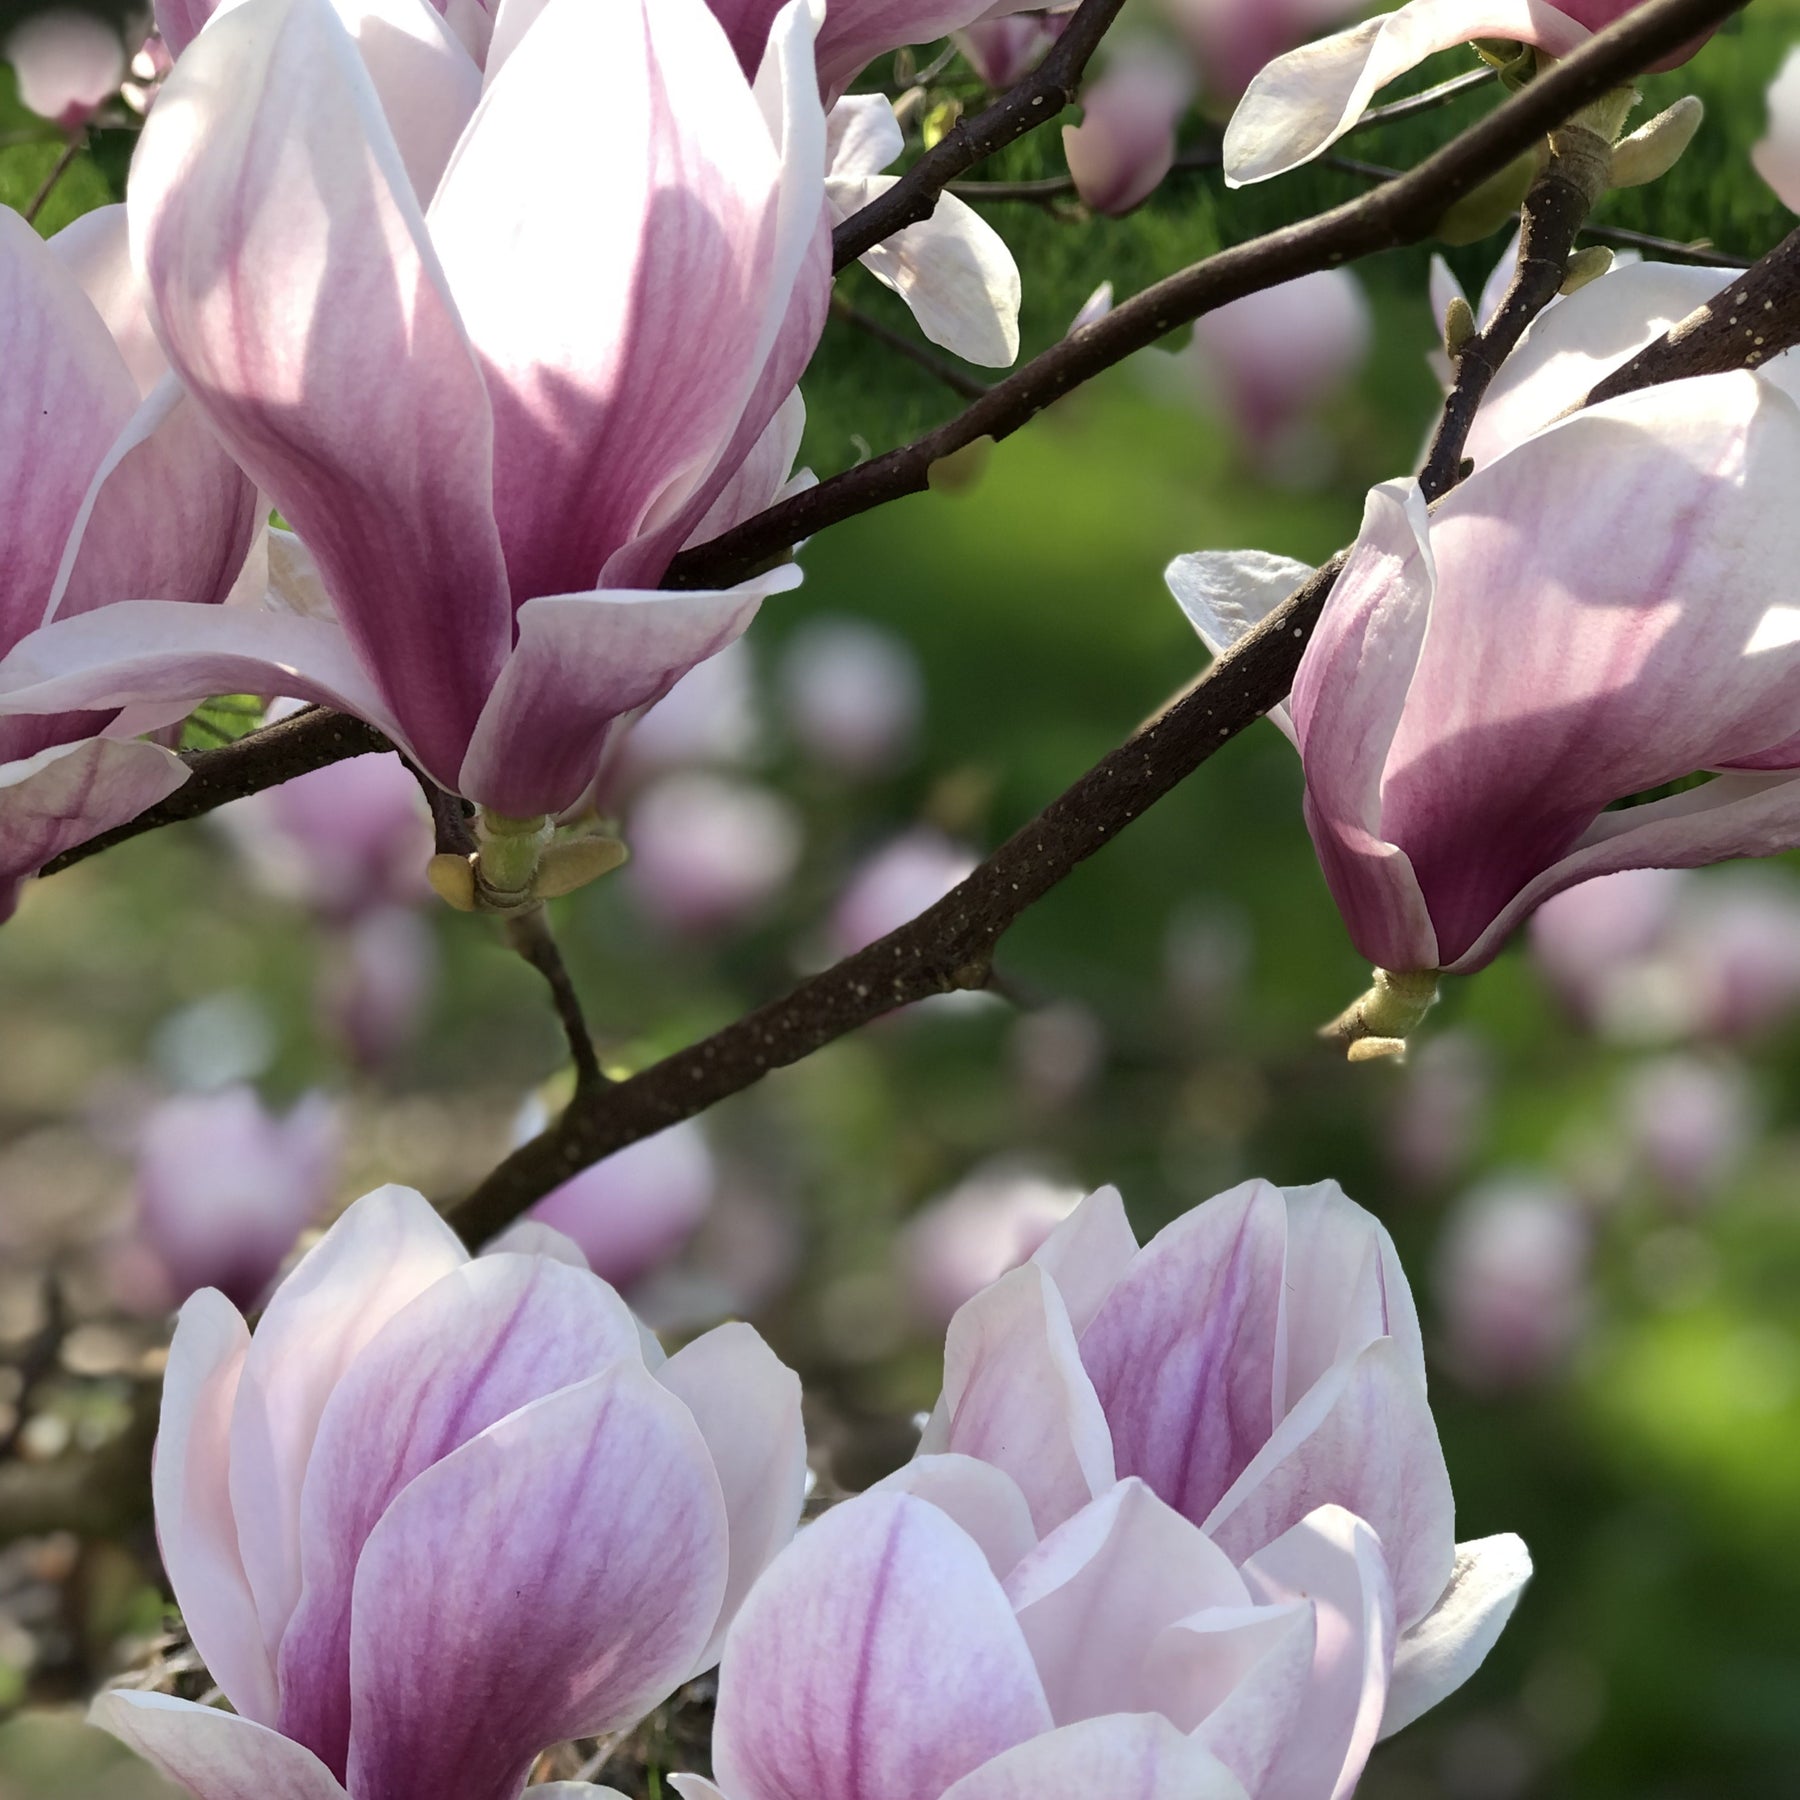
1333, 1560
1016, 1395
857, 31
746, 1402
619, 356
196, 1529
389, 1247
1226, 594
354, 399
1369, 636
1451, 1642
478, 1344
953, 270
1302, 103
1777, 156
96, 250
1125, 143
584, 662
531, 1237
985, 1501
1095, 1595
1183, 1353
1087, 1253
1579, 342
554, 1578
862, 136
761, 478
69, 793
213, 1754
1362, 1437
884, 1599
180, 21
1135, 1754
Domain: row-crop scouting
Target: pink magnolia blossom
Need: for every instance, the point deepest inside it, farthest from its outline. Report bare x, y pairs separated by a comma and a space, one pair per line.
1257, 1360
986, 1225
1125, 143
68, 61
439, 1514
1689, 1121
224, 1189
1490, 677
918, 1643
895, 884
470, 423
711, 717
1511, 1279
88, 399
1777, 156
1231, 39
709, 852
374, 990
851, 694
1302, 103
1003, 51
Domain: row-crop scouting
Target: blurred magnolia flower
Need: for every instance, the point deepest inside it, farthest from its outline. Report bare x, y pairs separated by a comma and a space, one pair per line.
1259, 1359
68, 61
1056, 1053
1303, 102
851, 694
440, 1514
917, 1641
344, 840
1689, 1121
989, 1223
148, 67
474, 372
1125, 143
632, 1211
953, 269
1511, 1280
1004, 51
223, 1191
709, 852
711, 716
895, 884
1268, 363
376, 985
1777, 157
1441, 1107
1231, 39
176, 517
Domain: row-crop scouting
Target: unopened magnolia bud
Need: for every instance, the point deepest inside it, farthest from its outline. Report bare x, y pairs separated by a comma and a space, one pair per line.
1484, 209
1378, 1024
1459, 326
1585, 266
1654, 149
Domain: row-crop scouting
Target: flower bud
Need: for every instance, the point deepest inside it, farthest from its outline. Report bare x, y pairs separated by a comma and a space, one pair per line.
1654, 149
1125, 143
69, 63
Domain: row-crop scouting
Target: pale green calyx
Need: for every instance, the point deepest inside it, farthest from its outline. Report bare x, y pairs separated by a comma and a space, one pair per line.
1459, 327
1378, 1025
519, 863
1585, 266
1654, 149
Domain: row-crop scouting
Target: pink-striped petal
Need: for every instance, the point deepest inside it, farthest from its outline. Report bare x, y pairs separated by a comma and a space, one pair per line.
1136, 1755
985, 1501
96, 251
1096, 1595
485, 1340
1300, 104
877, 1660
584, 662
746, 1402
1087, 1253
554, 1578
299, 299
196, 1528
1183, 1353
214, 1755
388, 1248
181, 21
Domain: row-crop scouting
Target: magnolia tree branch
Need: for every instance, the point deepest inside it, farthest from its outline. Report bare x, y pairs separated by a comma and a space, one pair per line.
1404, 211
1044, 93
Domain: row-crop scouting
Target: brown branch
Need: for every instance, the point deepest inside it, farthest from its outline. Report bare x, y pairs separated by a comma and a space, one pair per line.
529, 933
1044, 93
58, 170
1399, 212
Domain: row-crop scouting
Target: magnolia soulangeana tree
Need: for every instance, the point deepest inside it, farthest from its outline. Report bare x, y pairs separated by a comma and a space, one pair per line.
435, 387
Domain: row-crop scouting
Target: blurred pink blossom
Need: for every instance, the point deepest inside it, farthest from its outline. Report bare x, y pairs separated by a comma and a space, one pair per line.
1777, 156
1441, 1107
1004, 50
1231, 39
852, 694
1690, 1121
709, 852
69, 63
376, 984
895, 884
1125, 143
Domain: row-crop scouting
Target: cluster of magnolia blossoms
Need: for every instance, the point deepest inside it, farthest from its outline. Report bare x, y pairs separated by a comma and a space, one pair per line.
1180, 1513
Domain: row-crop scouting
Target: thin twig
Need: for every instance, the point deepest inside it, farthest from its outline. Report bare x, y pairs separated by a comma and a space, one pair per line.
1706, 256
940, 368
58, 170
1428, 101
1041, 95
529, 933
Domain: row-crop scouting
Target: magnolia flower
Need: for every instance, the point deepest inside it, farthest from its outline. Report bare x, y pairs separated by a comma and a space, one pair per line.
1125, 143
953, 269
375, 987
918, 1641
709, 852
470, 422
1511, 1278
86, 399
224, 1188
1259, 1359
1005, 50
1303, 102
851, 694
895, 884
1490, 677
1777, 157
439, 1514
68, 61
1689, 1121
1231, 39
